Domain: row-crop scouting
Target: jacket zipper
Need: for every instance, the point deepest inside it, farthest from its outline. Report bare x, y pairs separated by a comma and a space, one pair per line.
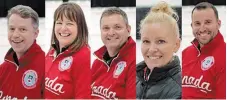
14, 64
108, 67
56, 57
197, 50
144, 91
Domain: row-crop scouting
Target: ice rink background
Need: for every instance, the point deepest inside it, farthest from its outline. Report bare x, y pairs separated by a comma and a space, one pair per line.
92, 17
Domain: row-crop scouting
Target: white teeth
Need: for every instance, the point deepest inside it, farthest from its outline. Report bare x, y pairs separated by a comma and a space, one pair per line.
17, 41
64, 34
112, 38
153, 58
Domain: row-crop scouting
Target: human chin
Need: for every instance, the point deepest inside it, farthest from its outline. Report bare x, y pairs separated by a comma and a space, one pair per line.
64, 42
152, 65
18, 48
154, 62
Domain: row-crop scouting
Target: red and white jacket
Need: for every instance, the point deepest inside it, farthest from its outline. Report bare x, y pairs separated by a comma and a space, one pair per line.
26, 80
117, 81
68, 75
204, 70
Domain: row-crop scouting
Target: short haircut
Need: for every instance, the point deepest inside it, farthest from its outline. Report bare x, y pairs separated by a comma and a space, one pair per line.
205, 5
25, 12
114, 10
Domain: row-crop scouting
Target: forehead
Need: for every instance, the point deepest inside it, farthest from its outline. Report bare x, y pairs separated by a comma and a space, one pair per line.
17, 20
158, 29
112, 19
203, 14
65, 14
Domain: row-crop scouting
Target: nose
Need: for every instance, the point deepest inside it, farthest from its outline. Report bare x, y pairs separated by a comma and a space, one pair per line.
153, 47
16, 33
63, 28
202, 29
111, 32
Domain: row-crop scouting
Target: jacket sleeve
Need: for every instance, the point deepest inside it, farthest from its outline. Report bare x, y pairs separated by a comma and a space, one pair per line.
221, 84
1, 72
82, 76
174, 93
131, 81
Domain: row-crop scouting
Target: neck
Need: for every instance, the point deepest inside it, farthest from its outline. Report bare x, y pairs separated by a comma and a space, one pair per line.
19, 55
112, 51
200, 46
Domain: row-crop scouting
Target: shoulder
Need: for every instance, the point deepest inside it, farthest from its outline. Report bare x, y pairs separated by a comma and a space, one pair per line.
83, 52
188, 49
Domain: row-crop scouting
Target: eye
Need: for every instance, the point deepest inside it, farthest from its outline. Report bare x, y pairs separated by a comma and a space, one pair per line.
58, 23
11, 29
146, 41
197, 23
105, 28
207, 22
161, 41
117, 27
69, 23
23, 30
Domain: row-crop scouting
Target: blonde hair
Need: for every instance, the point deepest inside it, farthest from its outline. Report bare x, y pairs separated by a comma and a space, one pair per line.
162, 12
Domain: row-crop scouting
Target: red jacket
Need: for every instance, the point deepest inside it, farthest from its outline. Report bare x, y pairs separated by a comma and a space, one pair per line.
117, 80
204, 71
25, 80
68, 75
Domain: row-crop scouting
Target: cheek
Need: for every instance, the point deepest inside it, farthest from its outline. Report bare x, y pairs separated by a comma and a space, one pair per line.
74, 33
168, 51
103, 35
9, 35
144, 49
195, 29
56, 29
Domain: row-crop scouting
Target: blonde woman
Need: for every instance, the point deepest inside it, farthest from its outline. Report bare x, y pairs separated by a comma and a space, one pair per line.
159, 75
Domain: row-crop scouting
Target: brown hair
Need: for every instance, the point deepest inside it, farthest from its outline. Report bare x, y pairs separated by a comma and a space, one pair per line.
73, 12
205, 5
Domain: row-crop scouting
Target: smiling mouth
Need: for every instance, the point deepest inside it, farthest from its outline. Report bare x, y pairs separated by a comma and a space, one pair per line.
199, 34
17, 42
112, 38
154, 58
64, 34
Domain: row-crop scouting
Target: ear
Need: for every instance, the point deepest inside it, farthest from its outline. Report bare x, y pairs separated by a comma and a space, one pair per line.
36, 33
219, 24
177, 45
129, 29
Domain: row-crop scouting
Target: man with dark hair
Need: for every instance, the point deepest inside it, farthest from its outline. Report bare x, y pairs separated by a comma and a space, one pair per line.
204, 62
114, 70
22, 72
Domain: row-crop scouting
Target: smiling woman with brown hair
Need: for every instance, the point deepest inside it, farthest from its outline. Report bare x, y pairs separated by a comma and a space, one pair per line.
67, 72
